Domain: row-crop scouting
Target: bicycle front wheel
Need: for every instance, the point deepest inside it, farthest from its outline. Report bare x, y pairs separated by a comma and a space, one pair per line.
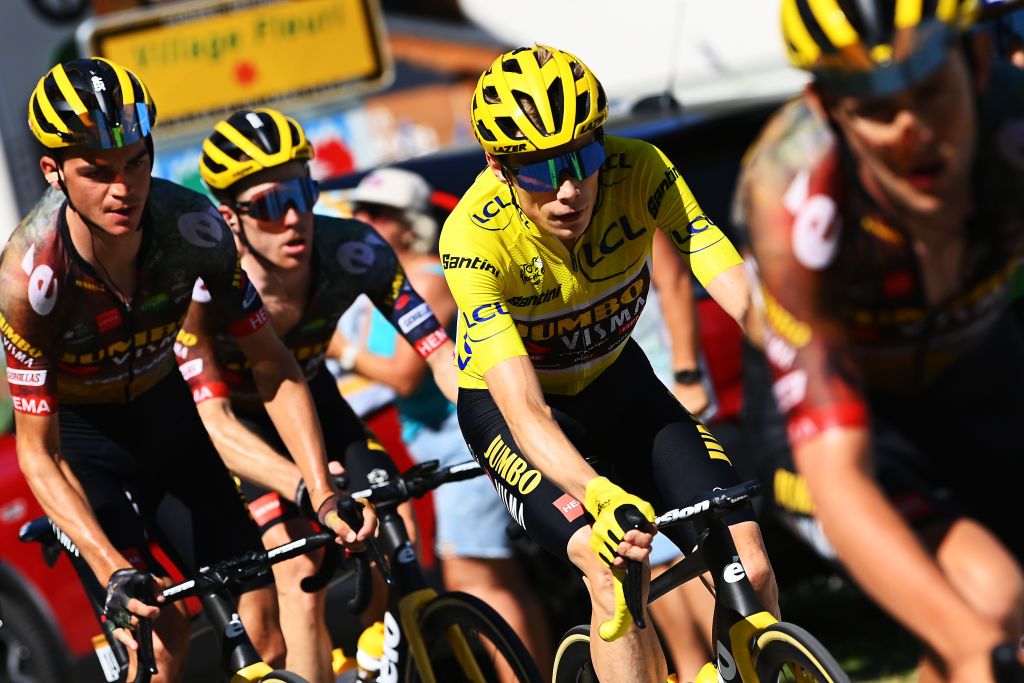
786, 653
572, 660
468, 642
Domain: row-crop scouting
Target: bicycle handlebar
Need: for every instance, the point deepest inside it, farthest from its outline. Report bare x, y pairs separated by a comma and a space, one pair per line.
716, 504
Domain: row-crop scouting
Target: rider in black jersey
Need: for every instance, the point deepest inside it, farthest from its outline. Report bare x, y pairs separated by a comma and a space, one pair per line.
94, 285
308, 270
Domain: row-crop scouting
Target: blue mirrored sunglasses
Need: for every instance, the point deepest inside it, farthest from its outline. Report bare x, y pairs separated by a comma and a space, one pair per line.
272, 204
543, 176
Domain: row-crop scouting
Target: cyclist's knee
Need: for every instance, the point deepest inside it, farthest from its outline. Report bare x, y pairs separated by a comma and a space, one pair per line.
289, 574
985, 574
258, 611
758, 567
172, 633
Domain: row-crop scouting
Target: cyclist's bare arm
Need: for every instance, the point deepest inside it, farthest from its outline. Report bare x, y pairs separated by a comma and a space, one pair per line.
828, 426
63, 500
245, 453
404, 371
516, 391
678, 310
882, 552
731, 290
290, 406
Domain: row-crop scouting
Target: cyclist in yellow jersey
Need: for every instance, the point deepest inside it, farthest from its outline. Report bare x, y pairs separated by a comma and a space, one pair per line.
548, 256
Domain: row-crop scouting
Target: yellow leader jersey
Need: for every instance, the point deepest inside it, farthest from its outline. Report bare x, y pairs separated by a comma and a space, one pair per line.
521, 291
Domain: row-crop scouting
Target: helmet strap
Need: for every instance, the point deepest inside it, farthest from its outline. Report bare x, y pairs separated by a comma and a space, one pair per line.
263, 260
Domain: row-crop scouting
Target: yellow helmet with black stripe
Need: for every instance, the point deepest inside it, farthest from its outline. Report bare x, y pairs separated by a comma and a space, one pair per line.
90, 102
249, 141
536, 98
872, 47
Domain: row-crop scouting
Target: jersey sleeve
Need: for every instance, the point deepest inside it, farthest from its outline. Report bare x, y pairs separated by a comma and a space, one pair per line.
816, 383
386, 284
232, 294
487, 334
31, 286
195, 349
674, 210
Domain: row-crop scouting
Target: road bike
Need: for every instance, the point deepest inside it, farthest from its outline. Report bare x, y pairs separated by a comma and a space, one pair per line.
431, 637
750, 644
212, 585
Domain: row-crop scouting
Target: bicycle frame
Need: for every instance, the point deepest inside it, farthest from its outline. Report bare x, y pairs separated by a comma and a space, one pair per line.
738, 611
408, 594
240, 657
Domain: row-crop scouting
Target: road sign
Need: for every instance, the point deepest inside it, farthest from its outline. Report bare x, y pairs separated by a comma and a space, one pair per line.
205, 58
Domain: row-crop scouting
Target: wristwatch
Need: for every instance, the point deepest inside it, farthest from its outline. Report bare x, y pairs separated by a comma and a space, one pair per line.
689, 376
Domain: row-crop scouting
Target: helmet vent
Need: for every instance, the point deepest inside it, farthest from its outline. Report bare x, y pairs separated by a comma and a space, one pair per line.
556, 98
542, 55
490, 94
529, 107
485, 132
582, 107
509, 127
511, 66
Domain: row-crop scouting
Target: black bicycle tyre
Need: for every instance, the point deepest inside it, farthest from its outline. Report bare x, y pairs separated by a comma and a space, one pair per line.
572, 659
472, 615
29, 649
783, 644
282, 677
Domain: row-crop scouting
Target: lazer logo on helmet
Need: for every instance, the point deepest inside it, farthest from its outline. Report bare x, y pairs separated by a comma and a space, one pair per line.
509, 149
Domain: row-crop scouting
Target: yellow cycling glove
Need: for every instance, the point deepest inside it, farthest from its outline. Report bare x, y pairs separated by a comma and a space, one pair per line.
606, 502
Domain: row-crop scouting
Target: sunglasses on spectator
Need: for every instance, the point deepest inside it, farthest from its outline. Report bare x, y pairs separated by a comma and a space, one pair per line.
543, 176
273, 203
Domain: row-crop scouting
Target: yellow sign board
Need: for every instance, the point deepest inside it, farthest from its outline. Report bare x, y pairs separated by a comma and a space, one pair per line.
213, 56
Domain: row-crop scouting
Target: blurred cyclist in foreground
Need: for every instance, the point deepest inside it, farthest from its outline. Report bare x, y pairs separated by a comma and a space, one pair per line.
885, 217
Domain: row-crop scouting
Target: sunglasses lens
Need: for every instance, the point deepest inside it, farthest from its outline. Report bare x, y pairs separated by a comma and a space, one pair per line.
544, 175
273, 204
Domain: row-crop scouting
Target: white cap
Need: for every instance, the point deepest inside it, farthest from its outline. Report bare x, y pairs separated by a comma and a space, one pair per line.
405, 191
394, 187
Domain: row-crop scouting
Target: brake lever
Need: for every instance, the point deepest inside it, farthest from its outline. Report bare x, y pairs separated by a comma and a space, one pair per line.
629, 517
350, 511
146, 664
633, 591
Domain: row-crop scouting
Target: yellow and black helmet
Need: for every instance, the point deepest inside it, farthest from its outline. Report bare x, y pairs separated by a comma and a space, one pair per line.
536, 98
872, 47
92, 103
249, 141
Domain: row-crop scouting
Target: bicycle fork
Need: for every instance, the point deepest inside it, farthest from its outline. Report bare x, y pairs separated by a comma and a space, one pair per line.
739, 613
